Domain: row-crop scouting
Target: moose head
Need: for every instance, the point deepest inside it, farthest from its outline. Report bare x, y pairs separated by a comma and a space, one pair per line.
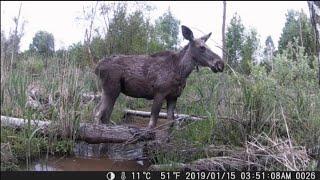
201, 54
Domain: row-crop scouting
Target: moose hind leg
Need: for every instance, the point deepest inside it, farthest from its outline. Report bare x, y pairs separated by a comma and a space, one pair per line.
156, 107
96, 112
171, 105
100, 109
105, 107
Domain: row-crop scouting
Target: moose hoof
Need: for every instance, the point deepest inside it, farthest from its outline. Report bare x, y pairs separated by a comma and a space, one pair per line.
151, 126
96, 121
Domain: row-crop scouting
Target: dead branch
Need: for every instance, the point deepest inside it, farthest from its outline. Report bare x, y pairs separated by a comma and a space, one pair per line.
163, 115
261, 153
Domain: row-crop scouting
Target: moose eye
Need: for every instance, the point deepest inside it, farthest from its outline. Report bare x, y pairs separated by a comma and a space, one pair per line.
202, 48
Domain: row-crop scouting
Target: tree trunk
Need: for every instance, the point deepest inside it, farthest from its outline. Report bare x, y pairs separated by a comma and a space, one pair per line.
300, 29
314, 7
91, 133
14, 46
222, 102
88, 36
223, 30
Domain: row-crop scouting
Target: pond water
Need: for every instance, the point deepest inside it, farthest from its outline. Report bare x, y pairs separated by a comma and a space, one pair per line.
96, 157
101, 157
86, 164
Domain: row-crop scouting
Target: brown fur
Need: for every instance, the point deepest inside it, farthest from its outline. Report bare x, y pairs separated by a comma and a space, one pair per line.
161, 76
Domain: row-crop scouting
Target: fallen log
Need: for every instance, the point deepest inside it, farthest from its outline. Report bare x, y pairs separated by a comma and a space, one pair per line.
91, 133
115, 151
163, 115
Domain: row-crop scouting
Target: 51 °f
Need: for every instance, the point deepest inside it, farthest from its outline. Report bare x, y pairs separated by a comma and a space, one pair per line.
170, 175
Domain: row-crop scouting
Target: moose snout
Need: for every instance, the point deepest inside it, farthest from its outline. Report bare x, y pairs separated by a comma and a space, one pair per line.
218, 66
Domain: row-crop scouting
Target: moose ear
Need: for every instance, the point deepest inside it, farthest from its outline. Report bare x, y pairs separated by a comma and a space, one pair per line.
206, 37
187, 33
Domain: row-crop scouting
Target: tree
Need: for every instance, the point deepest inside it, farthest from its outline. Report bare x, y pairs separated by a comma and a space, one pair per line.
298, 26
98, 47
117, 29
223, 30
127, 31
42, 43
314, 7
90, 16
15, 37
167, 30
77, 54
134, 34
137, 33
222, 77
235, 37
5, 48
268, 53
241, 45
269, 49
10, 45
249, 47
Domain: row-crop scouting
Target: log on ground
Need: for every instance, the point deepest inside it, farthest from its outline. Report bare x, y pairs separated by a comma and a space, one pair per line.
91, 133
162, 115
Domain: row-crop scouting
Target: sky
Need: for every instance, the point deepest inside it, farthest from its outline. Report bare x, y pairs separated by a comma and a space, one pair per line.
59, 18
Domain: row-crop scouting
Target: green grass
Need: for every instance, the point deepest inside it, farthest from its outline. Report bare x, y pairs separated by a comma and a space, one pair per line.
254, 104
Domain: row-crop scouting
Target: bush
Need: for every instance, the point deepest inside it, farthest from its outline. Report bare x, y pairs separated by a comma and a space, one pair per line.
33, 65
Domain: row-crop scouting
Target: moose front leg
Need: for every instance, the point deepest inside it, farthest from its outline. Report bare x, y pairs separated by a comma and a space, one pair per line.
156, 107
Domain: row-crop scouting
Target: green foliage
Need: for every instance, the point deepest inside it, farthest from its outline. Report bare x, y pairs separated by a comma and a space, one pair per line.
254, 105
25, 148
9, 45
256, 101
298, 26
116, 38
269, 49
167, 30
42, 43
77, 54
131, 32
134, 34
33, 64
241, 45
268, 54
289, 70
234, 40
98, 46
127, 33
248, 49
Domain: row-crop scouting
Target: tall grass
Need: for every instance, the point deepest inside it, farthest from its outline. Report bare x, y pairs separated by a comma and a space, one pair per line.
284, 102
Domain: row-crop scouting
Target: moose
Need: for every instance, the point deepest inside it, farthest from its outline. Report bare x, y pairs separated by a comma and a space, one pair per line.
161, 76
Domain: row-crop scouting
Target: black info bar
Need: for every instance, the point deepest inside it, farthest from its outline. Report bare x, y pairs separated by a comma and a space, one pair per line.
163, 175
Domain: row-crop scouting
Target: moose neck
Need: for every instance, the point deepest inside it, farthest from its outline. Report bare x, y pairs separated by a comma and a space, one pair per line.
186, 63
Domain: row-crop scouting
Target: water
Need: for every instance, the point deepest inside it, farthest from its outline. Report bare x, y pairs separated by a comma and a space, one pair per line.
87, 164
96, 157
102, 157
